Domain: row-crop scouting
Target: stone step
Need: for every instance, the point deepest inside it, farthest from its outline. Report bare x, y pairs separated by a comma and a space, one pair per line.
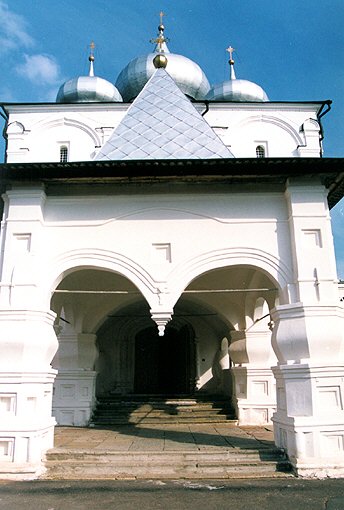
154, 409
157, 412
161, 401
166, 410
220, 455
141, 397
157, 405
159, 420
69, 464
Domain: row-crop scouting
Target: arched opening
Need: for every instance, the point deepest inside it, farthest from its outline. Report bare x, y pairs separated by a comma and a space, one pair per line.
63, 154
83, 301
236, 355
260, 151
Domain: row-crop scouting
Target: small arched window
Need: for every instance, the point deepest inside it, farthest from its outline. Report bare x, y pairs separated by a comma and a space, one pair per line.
260, 151
63, 154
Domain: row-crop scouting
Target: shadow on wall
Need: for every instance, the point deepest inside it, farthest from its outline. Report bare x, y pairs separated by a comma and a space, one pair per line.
221, 380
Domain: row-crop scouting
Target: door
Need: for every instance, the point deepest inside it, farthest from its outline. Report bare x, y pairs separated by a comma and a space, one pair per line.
163, 365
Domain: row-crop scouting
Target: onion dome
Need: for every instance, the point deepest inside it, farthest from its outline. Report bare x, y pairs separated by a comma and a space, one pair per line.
88, 89
187, 74
236, 90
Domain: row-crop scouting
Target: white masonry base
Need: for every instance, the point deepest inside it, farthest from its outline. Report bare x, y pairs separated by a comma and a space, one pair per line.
255, 395
309, 422
26, 426
74, 397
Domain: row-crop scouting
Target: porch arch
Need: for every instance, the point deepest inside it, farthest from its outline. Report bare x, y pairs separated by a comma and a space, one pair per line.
237, 293
84, 300
68, 262
182, 276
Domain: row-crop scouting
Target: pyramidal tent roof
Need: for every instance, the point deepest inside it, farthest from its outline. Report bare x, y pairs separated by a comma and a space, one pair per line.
162, 123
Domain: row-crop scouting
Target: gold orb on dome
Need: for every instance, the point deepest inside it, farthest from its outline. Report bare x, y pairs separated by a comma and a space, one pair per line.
160, 60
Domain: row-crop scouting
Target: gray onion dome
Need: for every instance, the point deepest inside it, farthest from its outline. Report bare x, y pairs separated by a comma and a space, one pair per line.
88, 89
187, 74
236, 90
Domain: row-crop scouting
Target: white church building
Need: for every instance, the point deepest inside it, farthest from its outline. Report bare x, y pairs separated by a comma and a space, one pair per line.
165, 236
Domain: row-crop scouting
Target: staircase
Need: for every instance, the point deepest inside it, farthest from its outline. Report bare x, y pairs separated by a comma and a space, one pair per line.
206, 465
156, 409
154, 437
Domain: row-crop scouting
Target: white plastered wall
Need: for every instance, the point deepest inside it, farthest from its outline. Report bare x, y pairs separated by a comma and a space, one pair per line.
35, 133
156, 244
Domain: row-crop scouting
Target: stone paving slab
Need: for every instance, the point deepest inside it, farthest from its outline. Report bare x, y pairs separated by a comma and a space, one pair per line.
169, 437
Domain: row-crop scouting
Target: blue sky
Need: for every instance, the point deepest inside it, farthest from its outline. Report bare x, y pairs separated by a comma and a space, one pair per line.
293, 49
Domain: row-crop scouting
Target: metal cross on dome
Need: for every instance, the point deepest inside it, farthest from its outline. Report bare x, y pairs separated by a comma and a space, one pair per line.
91, 58
162, 14
161, 39
230, 50
92, 46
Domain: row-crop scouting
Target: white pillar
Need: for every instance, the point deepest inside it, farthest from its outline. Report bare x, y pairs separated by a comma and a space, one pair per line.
26, 384
74, 389
309, 344
255, 393
309, 422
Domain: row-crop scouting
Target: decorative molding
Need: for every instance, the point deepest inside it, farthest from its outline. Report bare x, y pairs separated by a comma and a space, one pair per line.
15, 128
272, 266
161, 319
269, 119
65, 121
68, 262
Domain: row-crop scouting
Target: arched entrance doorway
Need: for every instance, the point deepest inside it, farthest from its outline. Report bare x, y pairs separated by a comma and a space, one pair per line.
84, 299
134, 359
188, 359
164, 365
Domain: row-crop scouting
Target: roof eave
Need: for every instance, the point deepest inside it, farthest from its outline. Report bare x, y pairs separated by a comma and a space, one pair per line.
329, 170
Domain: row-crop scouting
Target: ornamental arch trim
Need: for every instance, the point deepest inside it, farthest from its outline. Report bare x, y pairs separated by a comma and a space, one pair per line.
15, 128
75, 260
184, 274
64, 121
270, 119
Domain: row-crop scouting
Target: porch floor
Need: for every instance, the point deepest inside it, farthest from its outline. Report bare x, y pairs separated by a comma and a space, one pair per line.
164, 437
165, 451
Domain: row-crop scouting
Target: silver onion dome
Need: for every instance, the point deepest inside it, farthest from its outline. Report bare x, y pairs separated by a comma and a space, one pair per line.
187, 74
88, 89
236, 90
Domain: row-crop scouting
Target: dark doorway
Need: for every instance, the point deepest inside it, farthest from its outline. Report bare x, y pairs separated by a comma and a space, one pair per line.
164, 365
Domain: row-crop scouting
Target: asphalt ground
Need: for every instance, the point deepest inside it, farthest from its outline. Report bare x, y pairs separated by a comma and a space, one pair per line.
291, 494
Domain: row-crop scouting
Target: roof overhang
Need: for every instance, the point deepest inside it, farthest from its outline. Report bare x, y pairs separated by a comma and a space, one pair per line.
330, 172
21, 108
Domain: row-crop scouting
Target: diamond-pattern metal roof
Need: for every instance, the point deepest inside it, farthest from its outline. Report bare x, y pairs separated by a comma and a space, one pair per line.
162, 123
